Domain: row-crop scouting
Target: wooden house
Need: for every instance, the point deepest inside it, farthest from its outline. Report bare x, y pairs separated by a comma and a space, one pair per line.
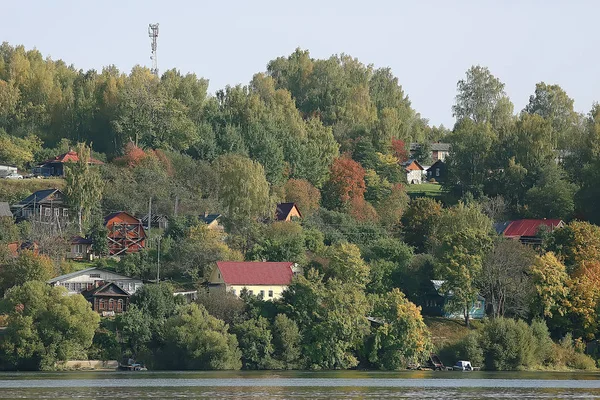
414, 172
439, 151
56, 166
85, 279
126, 233
81, 249
48, 205
437, 171
157, 221
287, 212
434, 303
107, 298
212, 221
266, 279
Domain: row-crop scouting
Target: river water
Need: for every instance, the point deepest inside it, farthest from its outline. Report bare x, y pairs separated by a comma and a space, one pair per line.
300, 385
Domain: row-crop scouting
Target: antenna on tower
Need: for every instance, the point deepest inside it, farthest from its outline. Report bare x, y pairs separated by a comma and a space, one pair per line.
153, 34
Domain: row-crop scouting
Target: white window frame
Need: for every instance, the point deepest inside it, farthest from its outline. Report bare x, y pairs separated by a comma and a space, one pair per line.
47, 212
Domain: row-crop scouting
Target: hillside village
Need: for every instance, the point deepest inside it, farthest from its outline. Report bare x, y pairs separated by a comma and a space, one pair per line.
309, 220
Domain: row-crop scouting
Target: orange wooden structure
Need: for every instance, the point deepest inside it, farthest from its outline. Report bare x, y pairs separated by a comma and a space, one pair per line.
126, 233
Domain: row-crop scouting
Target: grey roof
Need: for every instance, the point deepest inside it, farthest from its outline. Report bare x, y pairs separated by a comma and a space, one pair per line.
209, 218
38, 196
5, 209
81, 272
440, 146
500, 227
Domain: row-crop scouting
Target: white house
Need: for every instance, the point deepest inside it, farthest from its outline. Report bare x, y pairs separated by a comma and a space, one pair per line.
266, 279
414, 172
77, 282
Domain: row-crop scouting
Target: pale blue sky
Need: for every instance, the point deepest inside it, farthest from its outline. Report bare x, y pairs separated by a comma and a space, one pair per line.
428, 44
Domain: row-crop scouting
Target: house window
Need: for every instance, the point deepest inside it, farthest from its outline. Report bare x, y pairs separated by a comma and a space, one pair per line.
437, 172
120, 305
111, 305
101, 305
94, 275
262, 293
250, 292
270, 293
478, 305
47, 212
233, 291
65, 212
57, 212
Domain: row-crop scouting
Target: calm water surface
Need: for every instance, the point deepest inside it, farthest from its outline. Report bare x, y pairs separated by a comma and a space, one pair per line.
300, 385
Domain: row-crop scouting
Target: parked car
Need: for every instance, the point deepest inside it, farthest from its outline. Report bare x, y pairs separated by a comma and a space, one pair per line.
14, 175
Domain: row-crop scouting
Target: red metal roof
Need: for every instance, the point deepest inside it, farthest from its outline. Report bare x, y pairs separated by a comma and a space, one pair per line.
71, 156
255, 273
530, 227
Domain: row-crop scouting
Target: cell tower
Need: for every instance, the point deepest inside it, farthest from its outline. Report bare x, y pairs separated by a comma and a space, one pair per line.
153, 33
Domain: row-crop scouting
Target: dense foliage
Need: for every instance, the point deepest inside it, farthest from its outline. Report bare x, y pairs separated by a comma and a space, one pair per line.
329, 135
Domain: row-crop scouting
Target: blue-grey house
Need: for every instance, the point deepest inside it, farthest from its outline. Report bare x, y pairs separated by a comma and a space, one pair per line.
433, 303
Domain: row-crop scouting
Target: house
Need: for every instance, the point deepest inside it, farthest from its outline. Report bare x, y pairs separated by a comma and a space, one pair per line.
77, 282
48, 205
14, 248
434, 304
287, 212
157, 221
56, 165
212, 220
266, 279
107, 298
81, 249
126, 233
527, 231
439, 151
414, 171
5, 210
437, 171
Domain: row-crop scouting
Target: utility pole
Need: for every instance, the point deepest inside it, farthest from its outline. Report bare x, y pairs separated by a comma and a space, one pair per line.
158, 239
149, 214
153, 34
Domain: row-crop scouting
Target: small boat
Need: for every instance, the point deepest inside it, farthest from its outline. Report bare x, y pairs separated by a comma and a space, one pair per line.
131, 365
435, 363
463, 366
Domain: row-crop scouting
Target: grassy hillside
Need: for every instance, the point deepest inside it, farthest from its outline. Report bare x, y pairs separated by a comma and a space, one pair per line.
13, 190
446, 334
425, 190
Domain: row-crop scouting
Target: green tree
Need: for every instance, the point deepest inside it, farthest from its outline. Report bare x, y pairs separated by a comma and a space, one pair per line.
552, 103
45, 326
243, 188
84, 186
280, 241
286, 341
399, 336
27, 266
136, 329
419, 220
345, 264
331, 316
196, 340
553, 196
255, 341
480, 96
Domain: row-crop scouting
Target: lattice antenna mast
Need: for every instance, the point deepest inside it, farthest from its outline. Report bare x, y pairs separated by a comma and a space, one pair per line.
153, 34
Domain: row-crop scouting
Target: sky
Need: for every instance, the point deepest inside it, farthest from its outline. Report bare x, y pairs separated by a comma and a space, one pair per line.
428, 44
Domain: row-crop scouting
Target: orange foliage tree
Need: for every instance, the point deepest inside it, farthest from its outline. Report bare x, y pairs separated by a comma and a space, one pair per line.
346, 183
400, 151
